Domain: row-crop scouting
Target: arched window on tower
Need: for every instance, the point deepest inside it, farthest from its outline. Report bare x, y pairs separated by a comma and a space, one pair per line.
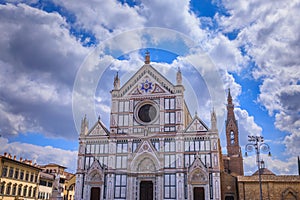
232, 137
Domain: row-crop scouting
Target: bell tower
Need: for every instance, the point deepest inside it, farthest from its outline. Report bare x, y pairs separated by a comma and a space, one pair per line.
234, 153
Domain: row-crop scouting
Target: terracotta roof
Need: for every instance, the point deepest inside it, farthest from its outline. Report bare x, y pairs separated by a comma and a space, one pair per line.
264, 171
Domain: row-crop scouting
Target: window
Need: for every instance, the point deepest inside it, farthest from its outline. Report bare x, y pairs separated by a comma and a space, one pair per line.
8, 188
135, 144
122, 147
27, 176
14, 189
103, 160
189, 159
196, 144
4, 171
123, 120
29, 191
123, 106
88, 162
121, 162
155, 143
105, 186
49, 184
206, 159
42, 182
169, 104
120, 186
25, 191
207, 145
169, 145
202, 146
31, 177
231, 137
19, 190
16, 174
11, 172
170, 161
211, 189
170, 118
170, 186
34, 192
22, 174
103, 147
2, 188
185, 186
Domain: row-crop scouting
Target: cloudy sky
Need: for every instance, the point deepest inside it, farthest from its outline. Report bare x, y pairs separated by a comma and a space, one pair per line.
57, 53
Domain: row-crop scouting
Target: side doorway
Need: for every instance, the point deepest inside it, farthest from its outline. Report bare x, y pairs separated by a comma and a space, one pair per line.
95, 193
198, 193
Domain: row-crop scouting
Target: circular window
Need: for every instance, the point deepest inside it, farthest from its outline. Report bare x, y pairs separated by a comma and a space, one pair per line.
146, 112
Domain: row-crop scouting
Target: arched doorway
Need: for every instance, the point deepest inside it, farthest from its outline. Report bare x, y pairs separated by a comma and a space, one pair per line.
229, 198
198, 193
146, 190
95, 193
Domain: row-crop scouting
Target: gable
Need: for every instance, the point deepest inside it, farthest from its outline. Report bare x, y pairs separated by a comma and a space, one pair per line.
98, 129
147, 86
197, 164
147, 81
145, 147
196, 125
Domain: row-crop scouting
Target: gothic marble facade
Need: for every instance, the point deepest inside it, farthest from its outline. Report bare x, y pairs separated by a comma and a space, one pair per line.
153, 149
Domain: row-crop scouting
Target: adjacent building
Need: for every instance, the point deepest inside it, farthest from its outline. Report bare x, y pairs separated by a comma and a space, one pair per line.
45, 185
19, 178
274, 187
58, 184
153, 149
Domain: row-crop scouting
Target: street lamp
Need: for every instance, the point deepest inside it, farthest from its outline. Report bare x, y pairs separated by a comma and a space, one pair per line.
257, 143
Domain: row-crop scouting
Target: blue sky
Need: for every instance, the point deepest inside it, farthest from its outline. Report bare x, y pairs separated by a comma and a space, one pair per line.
47, 46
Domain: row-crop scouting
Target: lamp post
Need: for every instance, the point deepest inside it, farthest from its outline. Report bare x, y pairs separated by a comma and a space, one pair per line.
257, 143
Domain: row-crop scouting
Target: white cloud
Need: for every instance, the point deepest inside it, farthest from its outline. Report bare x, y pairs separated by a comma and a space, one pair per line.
276, 165
39, 154
104, 18
38, 62
268, 32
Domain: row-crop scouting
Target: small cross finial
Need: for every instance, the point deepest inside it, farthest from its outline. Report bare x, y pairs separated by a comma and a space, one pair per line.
99, 118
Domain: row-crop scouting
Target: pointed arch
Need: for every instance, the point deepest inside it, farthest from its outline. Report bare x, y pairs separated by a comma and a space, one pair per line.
138, 164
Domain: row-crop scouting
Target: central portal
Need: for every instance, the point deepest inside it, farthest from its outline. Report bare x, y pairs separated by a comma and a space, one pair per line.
146, 190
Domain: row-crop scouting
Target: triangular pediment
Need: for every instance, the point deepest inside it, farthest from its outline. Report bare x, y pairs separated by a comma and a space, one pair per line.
197, 163
96, 166
98, 129
196, 125
147, 81
145, 146
145, 158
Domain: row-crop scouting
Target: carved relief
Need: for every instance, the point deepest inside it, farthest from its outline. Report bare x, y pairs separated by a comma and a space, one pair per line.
146, 165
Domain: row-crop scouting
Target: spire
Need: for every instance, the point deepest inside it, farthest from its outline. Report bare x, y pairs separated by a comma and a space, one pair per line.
213, 120
179, 77
84, 125
147, 58
229, 98
116, 82
230, 107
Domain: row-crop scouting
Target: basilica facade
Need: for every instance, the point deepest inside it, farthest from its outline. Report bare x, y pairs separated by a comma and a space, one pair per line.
153, 149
